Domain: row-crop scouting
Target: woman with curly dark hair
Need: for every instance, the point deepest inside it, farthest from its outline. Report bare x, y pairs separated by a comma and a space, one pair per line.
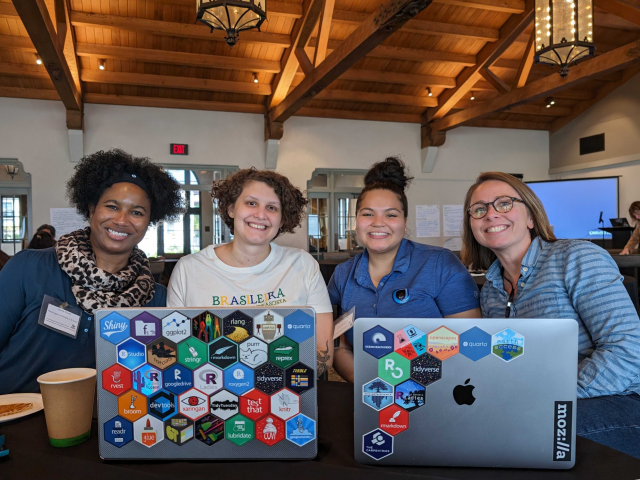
97, 267
257, 206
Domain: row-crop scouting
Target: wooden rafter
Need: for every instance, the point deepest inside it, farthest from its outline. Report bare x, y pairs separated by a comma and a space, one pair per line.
399, 78
21, 70
300, 35
34, 93
494, 80
11, 42
618, 59
517, 124
603, 91
36, 20
351, 115
372, 97
173, 103
525, 63
485, 58
627, 11
390, 17
324, 27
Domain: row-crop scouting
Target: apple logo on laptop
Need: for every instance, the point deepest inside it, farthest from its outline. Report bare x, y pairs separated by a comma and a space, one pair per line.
463, 394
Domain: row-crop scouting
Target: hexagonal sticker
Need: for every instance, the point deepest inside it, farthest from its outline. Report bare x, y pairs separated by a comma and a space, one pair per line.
118, 431
131, 354
403, 341
192, 353
162, 405
507, 344
269, 378
177, 379
161, 353
116, 379
179, 429
270, 430
175, 327
410, 395
145, 328
208, 379
377, 341
299, 378
442, 343
238, 326
283, 352
377, 393
147, 380
132, 405
298, 326
206, 327
239, 429
238, 379
223, 353
148, 431
377, 444
114, 328
394, 368
224, 404
253, 352
268, 326
209, 429
393, 420
301, 430
193, 404
426, 369
475, 344
285, 404
254, 404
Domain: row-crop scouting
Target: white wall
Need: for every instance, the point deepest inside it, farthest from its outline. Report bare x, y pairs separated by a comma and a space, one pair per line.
34, 131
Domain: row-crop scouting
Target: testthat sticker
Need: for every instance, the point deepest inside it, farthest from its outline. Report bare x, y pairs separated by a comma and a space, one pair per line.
562, 431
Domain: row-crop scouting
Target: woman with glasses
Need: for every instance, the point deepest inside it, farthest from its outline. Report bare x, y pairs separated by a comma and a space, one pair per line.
395, 277
531, 274
634, 211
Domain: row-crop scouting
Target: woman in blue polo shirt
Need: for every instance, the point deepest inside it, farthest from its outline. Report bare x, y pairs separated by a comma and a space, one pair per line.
97, 267
395, 277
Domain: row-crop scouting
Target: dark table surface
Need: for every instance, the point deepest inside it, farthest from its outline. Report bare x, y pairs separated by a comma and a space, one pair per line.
31, 457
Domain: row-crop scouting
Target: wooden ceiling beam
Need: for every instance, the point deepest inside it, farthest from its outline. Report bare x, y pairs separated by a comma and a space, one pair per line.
602, 19
398, 78
289, 63
505, 6
372, 97
7, 10
175, 29
324, 27
358, 115
34, 93
177, 58
495, 80
538, 110
618, 59
602, 92
22, 70
165, 81
514, 26
619, 8
514, 124
526, 63
173, 103
37, 22
388, 18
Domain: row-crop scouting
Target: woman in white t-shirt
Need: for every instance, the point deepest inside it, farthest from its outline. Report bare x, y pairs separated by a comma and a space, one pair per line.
251, 271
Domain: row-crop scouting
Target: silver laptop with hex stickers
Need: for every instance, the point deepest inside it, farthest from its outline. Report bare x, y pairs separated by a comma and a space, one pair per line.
466, 392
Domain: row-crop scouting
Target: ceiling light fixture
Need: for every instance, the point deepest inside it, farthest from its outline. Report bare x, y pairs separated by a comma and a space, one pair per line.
231, 16
38, 60
473, 97
550, 101
101, 64
255, 78
430, 93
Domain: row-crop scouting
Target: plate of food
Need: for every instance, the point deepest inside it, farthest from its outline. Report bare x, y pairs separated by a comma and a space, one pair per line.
16, 405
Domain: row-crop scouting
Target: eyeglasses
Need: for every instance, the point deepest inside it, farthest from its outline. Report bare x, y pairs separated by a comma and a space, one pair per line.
500, 205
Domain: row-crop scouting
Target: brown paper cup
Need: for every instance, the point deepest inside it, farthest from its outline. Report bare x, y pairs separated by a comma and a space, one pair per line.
67, 396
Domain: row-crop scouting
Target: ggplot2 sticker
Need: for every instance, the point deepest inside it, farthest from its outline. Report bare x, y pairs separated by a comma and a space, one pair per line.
507, 344
175, 327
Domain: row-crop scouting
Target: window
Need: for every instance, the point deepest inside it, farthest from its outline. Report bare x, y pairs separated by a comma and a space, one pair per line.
200, 225
331, 210
11, 219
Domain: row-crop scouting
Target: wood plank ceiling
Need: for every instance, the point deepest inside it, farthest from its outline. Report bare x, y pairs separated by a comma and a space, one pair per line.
154, 55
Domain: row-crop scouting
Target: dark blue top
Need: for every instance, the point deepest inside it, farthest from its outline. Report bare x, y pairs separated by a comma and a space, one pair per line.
437, 282
27, 349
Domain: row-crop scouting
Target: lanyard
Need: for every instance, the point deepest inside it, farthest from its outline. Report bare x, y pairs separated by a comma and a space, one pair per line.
507, 312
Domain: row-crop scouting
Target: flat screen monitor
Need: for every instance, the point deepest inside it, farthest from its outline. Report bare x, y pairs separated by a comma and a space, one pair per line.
574, 206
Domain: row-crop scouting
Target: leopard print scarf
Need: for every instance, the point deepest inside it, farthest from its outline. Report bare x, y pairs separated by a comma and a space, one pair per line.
93, 288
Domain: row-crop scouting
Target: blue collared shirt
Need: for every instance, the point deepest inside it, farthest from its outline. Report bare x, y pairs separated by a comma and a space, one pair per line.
579, 280
437, 282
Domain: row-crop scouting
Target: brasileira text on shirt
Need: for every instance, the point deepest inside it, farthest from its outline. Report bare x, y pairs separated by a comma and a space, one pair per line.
257, 299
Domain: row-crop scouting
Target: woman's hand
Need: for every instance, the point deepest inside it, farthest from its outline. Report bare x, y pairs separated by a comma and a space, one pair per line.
625, 251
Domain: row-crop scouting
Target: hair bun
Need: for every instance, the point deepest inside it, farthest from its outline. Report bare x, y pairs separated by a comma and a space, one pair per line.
390, 170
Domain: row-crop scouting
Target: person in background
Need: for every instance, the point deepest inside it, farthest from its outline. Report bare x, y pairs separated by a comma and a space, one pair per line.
4, 258
96, 267
50, 229
632, 244
395, 277
534, 275
251, 270
42, 239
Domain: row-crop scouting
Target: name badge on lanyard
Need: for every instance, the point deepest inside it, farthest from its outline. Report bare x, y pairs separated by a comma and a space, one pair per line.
59, 316
401, 296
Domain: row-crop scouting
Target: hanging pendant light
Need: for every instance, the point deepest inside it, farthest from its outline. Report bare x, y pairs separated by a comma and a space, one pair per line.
232, 16
563, 32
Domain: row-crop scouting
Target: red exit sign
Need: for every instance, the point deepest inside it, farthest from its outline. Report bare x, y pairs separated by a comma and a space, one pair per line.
179, 149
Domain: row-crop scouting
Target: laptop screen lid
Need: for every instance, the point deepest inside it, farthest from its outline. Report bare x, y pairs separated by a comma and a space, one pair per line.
466, 392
